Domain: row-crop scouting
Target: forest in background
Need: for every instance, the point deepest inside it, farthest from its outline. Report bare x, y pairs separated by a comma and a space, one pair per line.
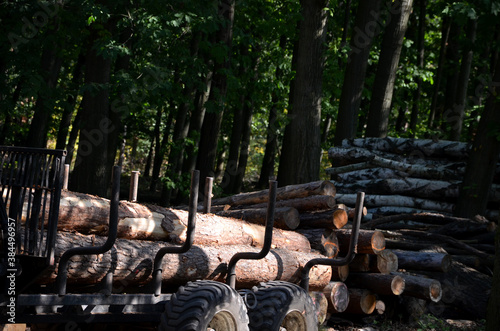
242, 90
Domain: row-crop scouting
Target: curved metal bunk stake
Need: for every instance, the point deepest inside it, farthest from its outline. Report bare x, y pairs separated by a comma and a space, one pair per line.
352, 246
268, 237
193, 205
62, 272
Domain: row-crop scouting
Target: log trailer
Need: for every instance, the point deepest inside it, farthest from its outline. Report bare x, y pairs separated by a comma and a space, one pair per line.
30, 185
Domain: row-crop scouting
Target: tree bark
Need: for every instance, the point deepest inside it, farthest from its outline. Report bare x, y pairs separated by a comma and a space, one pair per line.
429, 261
210, 130
91, 173
303, 204
330, 219
282, 193
131, 262
322, 240
377, 283
422, 287
284, 217
383, 86
365, 29
301, 151
369, 241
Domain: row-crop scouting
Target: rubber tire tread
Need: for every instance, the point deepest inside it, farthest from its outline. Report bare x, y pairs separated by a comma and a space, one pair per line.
194, 305
275, 299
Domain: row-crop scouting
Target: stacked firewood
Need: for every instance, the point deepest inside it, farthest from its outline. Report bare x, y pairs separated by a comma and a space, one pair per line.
402, 175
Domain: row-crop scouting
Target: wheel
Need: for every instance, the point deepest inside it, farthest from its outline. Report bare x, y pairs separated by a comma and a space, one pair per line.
282, 306
205, 305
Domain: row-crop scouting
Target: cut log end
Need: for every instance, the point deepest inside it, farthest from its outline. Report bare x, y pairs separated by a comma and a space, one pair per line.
340, 218
378, 242
435, 291
340, 273
337, 296
398, 285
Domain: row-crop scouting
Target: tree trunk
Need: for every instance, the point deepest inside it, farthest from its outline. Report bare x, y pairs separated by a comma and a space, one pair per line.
282, 193
383, 86
301, 151
455, 115
90, 174
207, 153
45, 102
420, 64
365, 29
131, 262
483, 157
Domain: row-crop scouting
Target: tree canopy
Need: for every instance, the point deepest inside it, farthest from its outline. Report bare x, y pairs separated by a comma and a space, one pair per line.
242, 90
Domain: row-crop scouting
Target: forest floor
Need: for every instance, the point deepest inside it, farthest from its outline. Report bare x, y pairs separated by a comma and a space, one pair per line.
381, 323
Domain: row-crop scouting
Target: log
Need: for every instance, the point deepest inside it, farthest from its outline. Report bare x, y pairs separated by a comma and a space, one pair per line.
361, 301
337, 296
385, 262
286, 218
369, 241
431, 218
378, 283
322, 240
377, 200
283, 193
422, 287
131, 262
331, 219
416, 147
461, 229
320, 305
369, 159
465, 289
380, 307
340, 273
417, 187
362, 171
430, 261
303, 204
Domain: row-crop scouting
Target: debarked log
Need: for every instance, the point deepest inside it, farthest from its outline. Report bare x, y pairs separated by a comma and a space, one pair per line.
89, 215
131, 262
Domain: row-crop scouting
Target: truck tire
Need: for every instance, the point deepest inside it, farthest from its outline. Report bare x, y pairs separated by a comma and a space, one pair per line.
282, 306
205, 305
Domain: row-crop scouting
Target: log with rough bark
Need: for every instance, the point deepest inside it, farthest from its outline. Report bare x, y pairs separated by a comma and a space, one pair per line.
283, 193
465, 228
416, 147
361, 301
384, 262
322, 240
422, 287
286, 218
330, 219
362, 159
337, 295
430, 218
465, 289
369, 241
303, 204
384, 284
131, 262
417, 187
430, 261
377, 200
362, 171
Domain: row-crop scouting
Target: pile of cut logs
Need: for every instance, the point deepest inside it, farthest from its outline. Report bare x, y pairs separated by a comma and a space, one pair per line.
309, 223
401, 175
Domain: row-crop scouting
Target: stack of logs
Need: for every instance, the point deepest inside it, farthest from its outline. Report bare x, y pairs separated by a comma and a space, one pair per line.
308, 224
401, 175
